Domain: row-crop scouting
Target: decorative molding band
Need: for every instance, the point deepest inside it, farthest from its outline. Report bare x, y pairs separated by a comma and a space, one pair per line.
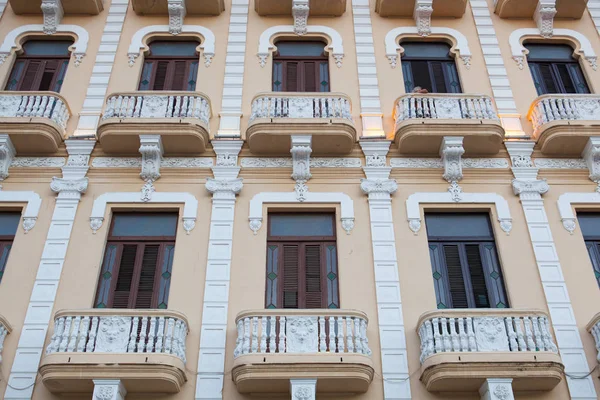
392, 45
414, 201
233, 86
335, 46
519, 51
430, 163
207, 45
560, 163
79, 48
286, 162
38, 162
256, 205
190, 208
565, 207
167, 162
103, 65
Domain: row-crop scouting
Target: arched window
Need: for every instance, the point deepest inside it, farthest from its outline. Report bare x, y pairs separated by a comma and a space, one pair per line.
170, 66
429, 66
41, 67
555, 70
300, 67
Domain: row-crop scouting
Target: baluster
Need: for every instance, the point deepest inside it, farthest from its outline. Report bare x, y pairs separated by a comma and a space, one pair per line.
406, 106
437, 336
137, 111
282, 337
349, 335
423, 337
512, 336
91, 344
158, 348
178, 106
42, 108
197, 102
555, 112
322, 335
471, 334
83, 334
74, 334
419, 111
561, 109
263, 334
426, 108
569, 108
454, 335
272, 331
177, 348
110, 108
254, 334
119, 106
59, 327
357, 336
429, 345
332, 334
66, 334
240, 338
520, 337
49, 107
133, 335
553, 347
29, 107
130, 106
185, 106
169, 336
446, 335
546, 339
246, 346
22, 104
141, 345
413, 107
151, 335
340, 332
528, 334
464, 341
36, 105
537, 334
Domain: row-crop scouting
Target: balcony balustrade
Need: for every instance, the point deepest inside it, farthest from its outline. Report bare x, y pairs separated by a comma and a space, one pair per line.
437, 115
193, 7
318, 8
461, 348
274, 346
562, 123
145, 348
594, 329
325, 116
181, 118
526, 8
35, 121
5, 329
70, 7
406, 8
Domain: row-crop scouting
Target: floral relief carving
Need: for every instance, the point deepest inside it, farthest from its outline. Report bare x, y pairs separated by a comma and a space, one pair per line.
113, 334
300, 10
96, 224
303, 393
302, 335
154, 107
38, 162
104, 393
560, 163
588, 109
502, 392
422, 16
53, 13
301, 107
490, 334
448, 108
177, 11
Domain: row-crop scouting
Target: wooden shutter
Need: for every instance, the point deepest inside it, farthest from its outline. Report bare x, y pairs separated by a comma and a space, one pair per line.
313, 273
311, 76
437, 77
478, 284
291, 276
30, 79
123, 285
160, 76
565, 78
291, 76
456, 280
146, 283
179, 76
548, 79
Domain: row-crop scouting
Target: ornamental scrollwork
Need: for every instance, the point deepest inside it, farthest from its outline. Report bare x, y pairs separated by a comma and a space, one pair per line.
502, 392
490, 334
113, 334
302, 334
304, 393
104, 393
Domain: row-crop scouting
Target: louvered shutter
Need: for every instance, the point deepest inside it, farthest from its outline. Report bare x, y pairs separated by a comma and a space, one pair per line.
456, 281
538, 80
548, 79
178, 76
310, 77
291, 77
30, 77
291, 270
437, 76
480, 292
565, 78
313, 296
146, 283
123, 286
160, 76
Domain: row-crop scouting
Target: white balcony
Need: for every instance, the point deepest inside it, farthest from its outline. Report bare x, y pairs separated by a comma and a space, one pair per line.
35, 121
562, 123
145, 348
277, 116
422, 121
461, 348
274, 346
181, 118
594, 329
5, 329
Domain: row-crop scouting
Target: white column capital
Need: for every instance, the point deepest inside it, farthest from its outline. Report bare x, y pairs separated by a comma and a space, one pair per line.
73, 182
591, 155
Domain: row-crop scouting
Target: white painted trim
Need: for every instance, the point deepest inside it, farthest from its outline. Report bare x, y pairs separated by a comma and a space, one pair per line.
33, 200
2, 6
565, 207
346, 203
79, 47
190, 208
414, 201
207, 45
594, 9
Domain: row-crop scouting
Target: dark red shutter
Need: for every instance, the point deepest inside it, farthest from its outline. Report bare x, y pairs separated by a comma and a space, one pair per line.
29, 82
145, 289
291, 258
160, 76
456, 281
122, 291
291, 77
179, 76
313, 276
310, 77
48, 75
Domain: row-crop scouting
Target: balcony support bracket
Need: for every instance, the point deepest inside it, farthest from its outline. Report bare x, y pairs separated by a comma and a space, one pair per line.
300, 10
591, 155
177, 11
451, 152
303, 389
152, 152
422, 16
544, 17
301, 150
109, 389
53, 13
7, 154
497, 389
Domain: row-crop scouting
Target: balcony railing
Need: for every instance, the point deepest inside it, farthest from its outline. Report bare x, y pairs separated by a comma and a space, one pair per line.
46, 105
174, 105
563, 107
5, 329
446, 106
119, 331
594, 328
302, 106
301, 331
484, 331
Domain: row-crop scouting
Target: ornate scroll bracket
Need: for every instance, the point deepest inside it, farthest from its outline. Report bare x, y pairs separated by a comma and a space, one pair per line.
451, 152
53, 13
7, 154
300, 10
544, 17
73, 182
73, 188
375, 187
177, 11
422, 16
591, 155
301, 150
303, 389
152, 152
530, 189
224, 186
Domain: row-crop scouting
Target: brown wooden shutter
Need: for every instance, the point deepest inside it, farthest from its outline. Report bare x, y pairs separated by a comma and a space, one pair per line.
291, 258
145, 288
310, 77
160, 76
291, 77
313, 297
456, 281
480, 291
124, 282
437, 75
29, 82
48, 75
565, 78
179, 76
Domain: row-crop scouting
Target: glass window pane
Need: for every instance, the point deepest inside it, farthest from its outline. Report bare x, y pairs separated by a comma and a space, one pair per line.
300, 49
144, 225
9, 222
60, 77
429, 51
301, 224
549, 52
15, 75
146, 76
191, 81
272, 298
457, 226
165, 276
590, 224
167, 48
106, 275
324, 73
47, 47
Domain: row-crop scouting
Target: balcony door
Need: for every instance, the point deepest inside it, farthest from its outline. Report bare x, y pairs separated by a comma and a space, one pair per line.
170, 66
302, 270
430, 67
300, 67
555, 70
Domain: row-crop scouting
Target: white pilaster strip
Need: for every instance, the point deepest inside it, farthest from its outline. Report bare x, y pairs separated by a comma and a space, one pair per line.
503, 95
231, 104
530, 190
392, 338
370, 105
96, 92
497, 389
594, 7
224, 187
41, 303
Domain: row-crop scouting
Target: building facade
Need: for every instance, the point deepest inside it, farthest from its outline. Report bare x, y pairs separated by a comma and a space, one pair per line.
236, 199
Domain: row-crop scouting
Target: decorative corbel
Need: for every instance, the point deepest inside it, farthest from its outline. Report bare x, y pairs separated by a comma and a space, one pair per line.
591, 155
301, 150
7, 154
53, 13
73, 182
422, 16
530, 189
152, 152
177, 11
451, 152
300, 10
544, 17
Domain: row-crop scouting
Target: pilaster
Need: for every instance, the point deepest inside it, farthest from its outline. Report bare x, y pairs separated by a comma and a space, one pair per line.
497, 389
107, 389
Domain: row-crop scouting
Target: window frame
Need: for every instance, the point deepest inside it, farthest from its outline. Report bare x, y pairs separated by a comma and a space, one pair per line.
318, 60
170, 74
407, 62
556, 77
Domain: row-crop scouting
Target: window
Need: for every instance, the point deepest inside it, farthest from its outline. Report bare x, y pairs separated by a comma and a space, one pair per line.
466, 272
41, 67
9, 223
170, 66
302, 270
138, 261
429, 66
590, 228
300, 67
555, 70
